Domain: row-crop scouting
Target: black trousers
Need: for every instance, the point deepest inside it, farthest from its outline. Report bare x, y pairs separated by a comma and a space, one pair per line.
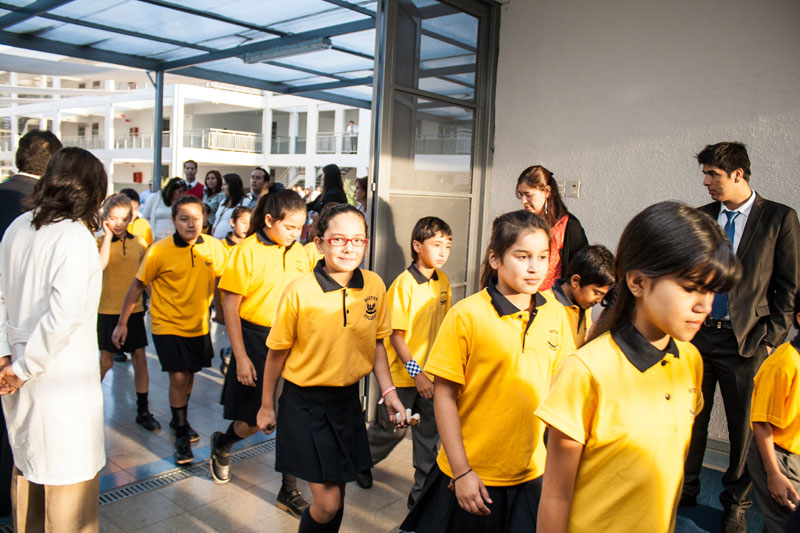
722, 364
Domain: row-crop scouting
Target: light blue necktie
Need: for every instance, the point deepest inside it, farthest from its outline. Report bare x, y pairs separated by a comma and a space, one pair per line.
720, 306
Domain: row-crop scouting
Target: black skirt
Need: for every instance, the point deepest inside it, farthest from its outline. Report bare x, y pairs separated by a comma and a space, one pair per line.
513, 509
137, 335
178, 354
240, 401
322, 435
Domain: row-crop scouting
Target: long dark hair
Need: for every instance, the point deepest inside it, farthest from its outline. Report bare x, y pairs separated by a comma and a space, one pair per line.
540, 178
276, 204
172, 185
669, 239
208, 190
331, 178
235, 189
72, 187
506, 229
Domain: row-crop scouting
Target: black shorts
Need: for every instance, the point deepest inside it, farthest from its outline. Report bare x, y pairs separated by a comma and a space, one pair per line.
137, 335
240, 401
513, 508
322, 435
178, 354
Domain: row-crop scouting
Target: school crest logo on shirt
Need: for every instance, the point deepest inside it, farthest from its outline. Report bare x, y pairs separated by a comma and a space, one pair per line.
553, 339
443, 297
372, 307
693, 395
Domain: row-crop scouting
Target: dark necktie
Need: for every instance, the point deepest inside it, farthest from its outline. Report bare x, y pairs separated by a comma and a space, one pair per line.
720, 306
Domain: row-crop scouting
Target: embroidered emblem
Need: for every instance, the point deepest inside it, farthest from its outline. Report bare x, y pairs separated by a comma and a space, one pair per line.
693, 394
372, 307
553, 339
443, 297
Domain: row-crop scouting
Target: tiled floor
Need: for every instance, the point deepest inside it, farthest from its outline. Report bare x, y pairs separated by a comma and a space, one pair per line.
247, 503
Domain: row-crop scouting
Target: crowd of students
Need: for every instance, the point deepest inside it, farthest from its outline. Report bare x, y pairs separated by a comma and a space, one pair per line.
546, 420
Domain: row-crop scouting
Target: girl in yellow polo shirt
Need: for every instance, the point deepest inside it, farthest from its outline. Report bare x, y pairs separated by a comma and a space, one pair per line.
621, 409
258, 270
493, 360
327, 334
182, 270
121, 252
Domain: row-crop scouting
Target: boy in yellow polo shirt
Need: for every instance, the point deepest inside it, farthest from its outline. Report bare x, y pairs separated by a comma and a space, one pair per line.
586, 281
774, 463
418, 299
182, 271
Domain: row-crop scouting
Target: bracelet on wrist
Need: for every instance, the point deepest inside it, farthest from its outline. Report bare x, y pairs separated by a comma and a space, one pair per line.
462, 475
384, 393
413, 368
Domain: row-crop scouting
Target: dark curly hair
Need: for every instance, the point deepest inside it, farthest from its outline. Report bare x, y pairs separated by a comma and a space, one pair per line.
72, 187
36, 148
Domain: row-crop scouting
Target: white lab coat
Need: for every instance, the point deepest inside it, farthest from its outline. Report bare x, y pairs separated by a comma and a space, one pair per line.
50, 283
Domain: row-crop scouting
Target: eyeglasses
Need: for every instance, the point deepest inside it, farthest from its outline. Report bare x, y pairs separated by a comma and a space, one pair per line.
358, 242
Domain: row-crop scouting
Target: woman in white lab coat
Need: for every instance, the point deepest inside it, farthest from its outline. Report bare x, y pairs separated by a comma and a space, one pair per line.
50, 283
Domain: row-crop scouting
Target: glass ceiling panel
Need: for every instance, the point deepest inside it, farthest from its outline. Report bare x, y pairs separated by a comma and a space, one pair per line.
362, 92
260, 71
460, 27
328, 17
362, 41
329, 61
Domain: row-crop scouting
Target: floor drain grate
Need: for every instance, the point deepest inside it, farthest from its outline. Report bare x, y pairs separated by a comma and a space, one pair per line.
179, 474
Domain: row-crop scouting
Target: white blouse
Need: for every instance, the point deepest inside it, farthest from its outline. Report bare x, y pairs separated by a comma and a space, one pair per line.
159, 215
50, 284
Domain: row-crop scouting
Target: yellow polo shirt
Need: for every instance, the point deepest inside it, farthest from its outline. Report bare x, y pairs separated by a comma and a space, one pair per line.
418, 306
331, 330
123, 262
259, 269
182, 278
632, 407
141, 228
313, 254
228, 243
504, 359
776, 395
580, 320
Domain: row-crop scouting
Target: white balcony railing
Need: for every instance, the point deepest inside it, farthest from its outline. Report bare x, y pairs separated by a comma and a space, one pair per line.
141, 140
216, 139
5, 143
89, 142
458, 144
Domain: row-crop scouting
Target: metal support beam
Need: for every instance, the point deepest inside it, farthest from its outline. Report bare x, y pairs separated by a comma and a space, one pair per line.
449, 40
83, 52
260, 46
331, 85
158, 129
22, 13
306, 70
353, 7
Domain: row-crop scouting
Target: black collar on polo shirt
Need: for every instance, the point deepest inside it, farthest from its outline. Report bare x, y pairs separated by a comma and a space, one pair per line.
560, 295
505, 307
418, 276
261, 235
180, 243
796, 342
328, 284
638, 350
128, 235
228, 239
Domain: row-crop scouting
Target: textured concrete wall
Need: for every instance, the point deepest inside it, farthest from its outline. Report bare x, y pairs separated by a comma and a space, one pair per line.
621, 94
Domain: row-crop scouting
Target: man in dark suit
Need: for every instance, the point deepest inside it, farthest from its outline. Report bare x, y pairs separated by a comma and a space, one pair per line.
33, 154
35, 150
746, 324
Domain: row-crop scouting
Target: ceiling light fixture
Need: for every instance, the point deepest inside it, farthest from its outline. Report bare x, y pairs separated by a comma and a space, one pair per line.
288, 50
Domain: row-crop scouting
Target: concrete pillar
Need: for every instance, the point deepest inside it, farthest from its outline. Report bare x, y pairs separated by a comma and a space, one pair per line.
56, 123
14, 118
294, 126
266, 129
176, 124
312, 126
311, 177
364, 134
56, 85
338, 128
108, 127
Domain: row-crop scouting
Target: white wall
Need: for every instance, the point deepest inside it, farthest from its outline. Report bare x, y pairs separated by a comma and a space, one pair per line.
621, 94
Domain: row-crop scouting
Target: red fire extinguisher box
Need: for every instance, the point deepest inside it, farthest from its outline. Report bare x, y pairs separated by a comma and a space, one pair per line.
137, 177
